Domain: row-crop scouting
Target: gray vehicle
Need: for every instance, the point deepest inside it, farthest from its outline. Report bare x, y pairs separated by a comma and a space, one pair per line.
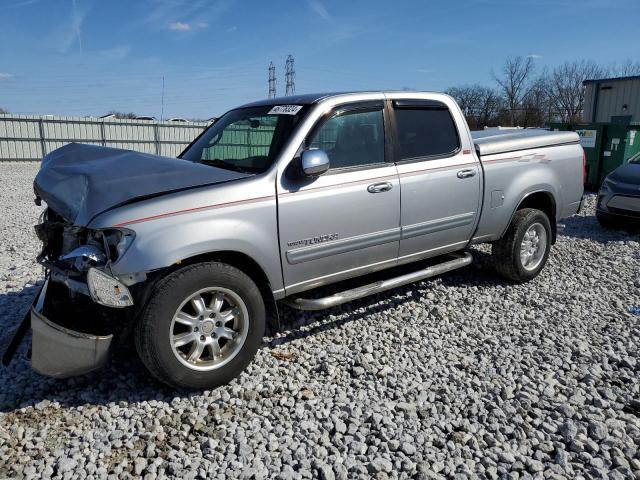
619, 196
278, 198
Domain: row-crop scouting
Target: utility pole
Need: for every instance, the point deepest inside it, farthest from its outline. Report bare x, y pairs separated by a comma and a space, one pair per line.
290, 76
272, 80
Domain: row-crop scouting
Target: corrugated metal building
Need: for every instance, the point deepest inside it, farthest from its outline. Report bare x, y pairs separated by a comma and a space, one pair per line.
612, 100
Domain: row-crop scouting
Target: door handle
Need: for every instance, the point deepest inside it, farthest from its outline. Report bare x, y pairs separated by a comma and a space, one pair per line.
379, 187
467, 172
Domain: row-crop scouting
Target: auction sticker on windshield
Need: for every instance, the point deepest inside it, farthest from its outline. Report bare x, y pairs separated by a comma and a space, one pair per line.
285, 110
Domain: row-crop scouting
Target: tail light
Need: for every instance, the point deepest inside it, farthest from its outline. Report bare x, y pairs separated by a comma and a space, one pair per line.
584, 167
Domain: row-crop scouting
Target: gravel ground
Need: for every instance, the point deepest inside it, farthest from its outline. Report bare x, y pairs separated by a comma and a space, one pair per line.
464, 376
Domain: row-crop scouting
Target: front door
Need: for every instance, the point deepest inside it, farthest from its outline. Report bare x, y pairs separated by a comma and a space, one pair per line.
346, 221
440, 179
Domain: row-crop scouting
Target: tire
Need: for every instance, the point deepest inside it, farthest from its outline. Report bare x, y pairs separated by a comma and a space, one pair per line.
506, 252
190, 312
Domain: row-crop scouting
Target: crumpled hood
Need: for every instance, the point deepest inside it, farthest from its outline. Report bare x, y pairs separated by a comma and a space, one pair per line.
627, 173
80, 181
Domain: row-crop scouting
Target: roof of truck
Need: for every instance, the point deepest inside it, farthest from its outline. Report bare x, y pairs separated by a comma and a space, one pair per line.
305, 99
310, 98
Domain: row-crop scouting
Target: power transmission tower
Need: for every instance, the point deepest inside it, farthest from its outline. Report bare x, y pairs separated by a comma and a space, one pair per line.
272, 80
290, 76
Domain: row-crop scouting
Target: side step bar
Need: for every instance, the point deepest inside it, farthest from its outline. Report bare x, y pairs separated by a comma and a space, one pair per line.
380, 286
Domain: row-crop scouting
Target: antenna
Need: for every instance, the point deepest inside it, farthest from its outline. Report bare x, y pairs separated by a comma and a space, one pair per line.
272, 80
290, 76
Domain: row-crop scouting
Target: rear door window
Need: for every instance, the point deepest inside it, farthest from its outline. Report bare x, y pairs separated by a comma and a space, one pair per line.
425, 132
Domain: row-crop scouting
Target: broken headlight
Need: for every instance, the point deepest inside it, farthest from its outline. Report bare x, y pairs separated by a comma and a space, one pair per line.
116, 241
98, 248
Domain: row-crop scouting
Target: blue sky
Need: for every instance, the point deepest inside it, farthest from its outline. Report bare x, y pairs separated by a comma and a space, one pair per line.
86, 57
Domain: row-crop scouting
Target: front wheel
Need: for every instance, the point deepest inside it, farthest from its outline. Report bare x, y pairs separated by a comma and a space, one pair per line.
202, 326
522, 252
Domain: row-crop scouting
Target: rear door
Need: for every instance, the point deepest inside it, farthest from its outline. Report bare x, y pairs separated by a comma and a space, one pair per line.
440, 177
347, 221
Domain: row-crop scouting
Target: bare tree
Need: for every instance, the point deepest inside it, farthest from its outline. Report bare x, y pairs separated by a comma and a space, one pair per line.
2, 110
491, 103
536, 104
117, 114
628, 69
468, 99
515, 83
566, 89
480, 105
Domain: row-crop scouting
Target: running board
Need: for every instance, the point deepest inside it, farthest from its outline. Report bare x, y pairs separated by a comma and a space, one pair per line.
380, 286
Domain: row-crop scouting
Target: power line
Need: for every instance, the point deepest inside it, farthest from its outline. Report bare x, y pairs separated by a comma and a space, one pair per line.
290, 76
272, 80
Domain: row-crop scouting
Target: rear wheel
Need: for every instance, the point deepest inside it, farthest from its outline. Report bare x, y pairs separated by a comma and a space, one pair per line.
522, 252
202, 326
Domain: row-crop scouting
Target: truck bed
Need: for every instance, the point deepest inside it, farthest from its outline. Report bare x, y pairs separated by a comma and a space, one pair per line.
490, 142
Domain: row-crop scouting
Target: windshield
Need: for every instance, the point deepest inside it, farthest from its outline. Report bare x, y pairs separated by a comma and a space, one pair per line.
247, 139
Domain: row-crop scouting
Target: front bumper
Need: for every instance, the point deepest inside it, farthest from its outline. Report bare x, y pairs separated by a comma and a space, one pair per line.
59, 352
70, 334
619, 207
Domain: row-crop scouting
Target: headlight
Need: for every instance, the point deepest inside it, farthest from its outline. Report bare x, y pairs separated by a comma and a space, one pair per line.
96, 248
107, 290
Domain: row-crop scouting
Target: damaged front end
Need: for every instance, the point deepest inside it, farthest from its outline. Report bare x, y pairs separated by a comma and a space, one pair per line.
82, 304
81, 258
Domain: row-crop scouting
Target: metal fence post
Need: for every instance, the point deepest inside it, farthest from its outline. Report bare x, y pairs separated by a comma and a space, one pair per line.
156, 138
43, 144
102, 134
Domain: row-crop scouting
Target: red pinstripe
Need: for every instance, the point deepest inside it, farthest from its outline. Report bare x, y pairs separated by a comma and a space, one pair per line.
196, 209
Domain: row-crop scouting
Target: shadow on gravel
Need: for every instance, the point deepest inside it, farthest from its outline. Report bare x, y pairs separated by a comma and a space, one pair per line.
123, 380
588, 228
294, 323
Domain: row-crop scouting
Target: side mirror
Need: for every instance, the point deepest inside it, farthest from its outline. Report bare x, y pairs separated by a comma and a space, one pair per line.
315, 162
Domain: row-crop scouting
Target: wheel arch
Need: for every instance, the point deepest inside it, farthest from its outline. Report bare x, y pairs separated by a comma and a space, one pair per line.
544, 201
246, 264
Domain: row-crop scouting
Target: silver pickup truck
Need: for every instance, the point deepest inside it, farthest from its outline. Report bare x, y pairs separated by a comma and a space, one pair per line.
275, 200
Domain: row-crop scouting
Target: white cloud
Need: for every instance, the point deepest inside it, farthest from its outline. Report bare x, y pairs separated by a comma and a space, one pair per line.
535, 56
186, 26
5, 76
184, 15
180, 26
233, 28
319, 9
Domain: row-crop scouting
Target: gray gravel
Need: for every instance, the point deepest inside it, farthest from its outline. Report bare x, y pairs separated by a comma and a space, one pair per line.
464, 376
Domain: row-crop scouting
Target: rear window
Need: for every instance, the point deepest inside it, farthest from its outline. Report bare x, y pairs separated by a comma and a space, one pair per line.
425, 132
